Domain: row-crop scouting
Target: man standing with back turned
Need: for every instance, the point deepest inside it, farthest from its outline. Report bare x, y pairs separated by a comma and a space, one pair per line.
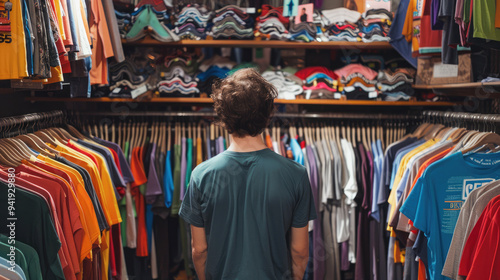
248, 207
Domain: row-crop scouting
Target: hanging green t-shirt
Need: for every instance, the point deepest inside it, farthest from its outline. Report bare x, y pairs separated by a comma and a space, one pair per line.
39, 232
26, 257
483, 16
247, 203
176, 202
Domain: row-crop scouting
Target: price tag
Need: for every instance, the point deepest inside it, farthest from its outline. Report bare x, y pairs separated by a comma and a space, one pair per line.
138, 91
251, 10
116, 90
372, 94
337, 95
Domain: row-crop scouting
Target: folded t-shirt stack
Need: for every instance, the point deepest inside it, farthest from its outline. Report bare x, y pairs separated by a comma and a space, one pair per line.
304, 31
127, 76
271, 24
342, 24
192, 23
124, 23
318, 82
177, 77
232, 22
287, 84
396, 86
212, 70
358, 82
146, 18
375, 25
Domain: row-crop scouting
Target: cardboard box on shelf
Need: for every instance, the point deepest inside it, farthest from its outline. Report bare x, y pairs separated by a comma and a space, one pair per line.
431, 71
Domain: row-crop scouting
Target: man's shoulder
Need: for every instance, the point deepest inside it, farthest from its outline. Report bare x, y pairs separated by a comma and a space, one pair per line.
271, 162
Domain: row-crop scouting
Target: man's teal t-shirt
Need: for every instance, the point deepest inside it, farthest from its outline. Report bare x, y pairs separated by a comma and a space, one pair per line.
247, 203
436, 199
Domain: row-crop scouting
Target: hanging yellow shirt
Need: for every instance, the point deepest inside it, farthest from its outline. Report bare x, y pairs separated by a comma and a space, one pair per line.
13, 63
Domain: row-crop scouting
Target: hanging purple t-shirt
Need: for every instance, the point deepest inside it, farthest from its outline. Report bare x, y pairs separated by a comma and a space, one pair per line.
124, 166
153, 186
318, 245
183, 167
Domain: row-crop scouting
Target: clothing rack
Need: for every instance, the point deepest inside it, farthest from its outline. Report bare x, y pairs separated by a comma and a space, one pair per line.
279, 115
11, 126
476, 121
33, 117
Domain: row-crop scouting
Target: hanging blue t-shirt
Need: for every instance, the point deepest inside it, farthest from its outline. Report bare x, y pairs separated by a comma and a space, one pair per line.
398, 41
298, 156
436, 199
168, 181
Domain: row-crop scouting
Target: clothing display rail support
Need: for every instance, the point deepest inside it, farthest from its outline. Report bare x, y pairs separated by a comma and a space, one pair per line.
279, 115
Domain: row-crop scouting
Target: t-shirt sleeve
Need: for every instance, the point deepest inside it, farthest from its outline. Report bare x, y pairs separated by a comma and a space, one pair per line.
304, 210
191, 206
417, 206
471, 244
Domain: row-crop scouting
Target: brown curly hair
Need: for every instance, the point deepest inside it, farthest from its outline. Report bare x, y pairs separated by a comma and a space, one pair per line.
244, 102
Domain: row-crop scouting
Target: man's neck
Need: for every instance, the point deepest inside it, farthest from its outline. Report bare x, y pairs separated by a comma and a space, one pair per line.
246, 144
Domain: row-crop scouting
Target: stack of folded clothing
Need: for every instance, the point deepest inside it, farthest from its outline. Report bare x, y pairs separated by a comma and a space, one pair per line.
178, 76
358, 82
304, 31
342, 24
288, 85
192, 23
128, 75
244, 65
318, 82
124, 23
396, 86
271, 24
375, 25
147, 18
232, 22
212, 70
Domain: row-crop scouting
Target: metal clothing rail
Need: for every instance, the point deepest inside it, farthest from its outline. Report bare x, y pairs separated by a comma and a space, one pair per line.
45, 117
279, 115
460, 116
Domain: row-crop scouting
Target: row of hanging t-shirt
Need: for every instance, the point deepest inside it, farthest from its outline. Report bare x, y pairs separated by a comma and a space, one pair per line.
427, 178
232, 22
189, 74
65, 218
54, 41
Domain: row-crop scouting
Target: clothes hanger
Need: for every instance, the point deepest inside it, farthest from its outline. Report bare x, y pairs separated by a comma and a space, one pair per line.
212, 132
73, 131
13, 151
133, 135
326, 139
101, 131
113, 132
163, 137
352, 130
26, 151
57, 138
490, 138
169, 136
18, 149
365, 139
10, 158
152, 139
116, 134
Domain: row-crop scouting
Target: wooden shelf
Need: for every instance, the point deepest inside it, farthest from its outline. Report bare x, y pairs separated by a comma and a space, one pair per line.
477, 89
457, 86
331, 102
261, 44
